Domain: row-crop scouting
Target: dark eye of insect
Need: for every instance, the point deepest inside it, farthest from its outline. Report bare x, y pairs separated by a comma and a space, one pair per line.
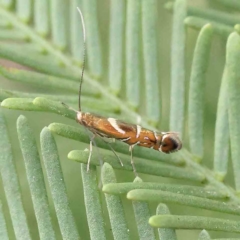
170, 144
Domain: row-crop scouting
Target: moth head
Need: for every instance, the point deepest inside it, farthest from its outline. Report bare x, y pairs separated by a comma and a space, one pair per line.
170, 142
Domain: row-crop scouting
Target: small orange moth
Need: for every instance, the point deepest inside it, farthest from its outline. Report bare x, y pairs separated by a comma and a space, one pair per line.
130, 134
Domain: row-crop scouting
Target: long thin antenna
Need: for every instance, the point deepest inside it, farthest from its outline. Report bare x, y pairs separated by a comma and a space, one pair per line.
84, 58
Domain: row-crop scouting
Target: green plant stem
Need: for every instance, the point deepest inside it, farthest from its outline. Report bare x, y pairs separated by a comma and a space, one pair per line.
168, 197
195, 222
114, 206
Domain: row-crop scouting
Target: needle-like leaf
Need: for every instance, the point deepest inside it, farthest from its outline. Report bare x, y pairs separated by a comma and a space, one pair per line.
114, 206
92, 202
221, 146
165, 233
124, 188
178, 67
168, 197
11, 184
35, 178
142, 214
142, 166
196, 89
195, 222
116, 34
233, 76
57, 186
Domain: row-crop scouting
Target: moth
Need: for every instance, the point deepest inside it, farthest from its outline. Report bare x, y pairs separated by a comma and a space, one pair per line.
131, 134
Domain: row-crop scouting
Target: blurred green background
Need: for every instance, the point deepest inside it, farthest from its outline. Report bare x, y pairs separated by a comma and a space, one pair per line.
71, 170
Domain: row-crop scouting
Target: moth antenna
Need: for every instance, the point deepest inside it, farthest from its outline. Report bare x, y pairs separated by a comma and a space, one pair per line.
84, 58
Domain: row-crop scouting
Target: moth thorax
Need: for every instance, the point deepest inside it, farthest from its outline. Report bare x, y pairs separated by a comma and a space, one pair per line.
170, 143
158, 139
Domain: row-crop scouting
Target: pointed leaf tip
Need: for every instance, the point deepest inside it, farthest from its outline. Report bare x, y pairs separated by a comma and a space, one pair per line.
152, 222
138, 180
44, 131
162, 209
233, 40
21, 119
79, 156
208, 25
20, 104
108, 174
204, 235
131, 195
71, 155
107, 167
4, 103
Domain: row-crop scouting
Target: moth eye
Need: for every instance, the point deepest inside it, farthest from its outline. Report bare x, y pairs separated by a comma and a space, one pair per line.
170, 143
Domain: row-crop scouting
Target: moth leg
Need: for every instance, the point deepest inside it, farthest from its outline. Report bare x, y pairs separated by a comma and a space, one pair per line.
110, 146
132, 162
90, 152
119, 159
